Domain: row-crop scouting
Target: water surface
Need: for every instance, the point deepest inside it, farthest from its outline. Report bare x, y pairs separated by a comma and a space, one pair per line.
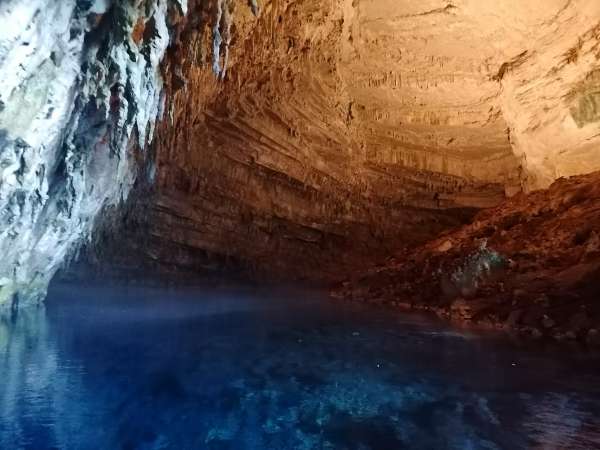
133, 368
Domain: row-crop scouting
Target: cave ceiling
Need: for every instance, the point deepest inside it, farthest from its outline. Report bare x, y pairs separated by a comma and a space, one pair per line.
348, 124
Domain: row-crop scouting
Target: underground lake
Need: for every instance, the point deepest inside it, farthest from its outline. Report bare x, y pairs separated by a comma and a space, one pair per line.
161, 368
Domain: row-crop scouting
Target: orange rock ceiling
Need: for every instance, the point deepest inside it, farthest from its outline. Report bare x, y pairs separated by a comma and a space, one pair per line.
346, 129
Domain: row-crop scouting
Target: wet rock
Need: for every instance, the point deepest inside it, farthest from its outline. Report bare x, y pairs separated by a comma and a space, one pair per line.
571, 335
593, 338
532, 332
579, 322
592, 245
550, 289
542, 300
548, 322
461, 309
514, 318
444, 247
442, 312
404, 305
536, 333
519, 295
565, 336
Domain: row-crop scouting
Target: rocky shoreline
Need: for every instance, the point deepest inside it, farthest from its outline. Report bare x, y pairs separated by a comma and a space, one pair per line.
530, 266
461, 314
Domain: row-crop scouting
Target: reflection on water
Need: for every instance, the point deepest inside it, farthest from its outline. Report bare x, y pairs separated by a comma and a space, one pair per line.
160, 369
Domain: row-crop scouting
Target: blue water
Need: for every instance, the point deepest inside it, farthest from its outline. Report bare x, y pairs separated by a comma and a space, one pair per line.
103, 368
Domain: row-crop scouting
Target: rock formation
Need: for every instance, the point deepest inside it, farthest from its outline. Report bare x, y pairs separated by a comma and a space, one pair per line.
531, 264
279, 139
80, 93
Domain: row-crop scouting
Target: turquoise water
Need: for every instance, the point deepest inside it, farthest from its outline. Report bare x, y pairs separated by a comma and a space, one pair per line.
136, 368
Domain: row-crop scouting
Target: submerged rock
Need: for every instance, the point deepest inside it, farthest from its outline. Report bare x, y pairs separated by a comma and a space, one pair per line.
547, 322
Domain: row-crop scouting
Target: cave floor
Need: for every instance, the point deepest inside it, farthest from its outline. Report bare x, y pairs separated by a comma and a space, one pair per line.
150, 368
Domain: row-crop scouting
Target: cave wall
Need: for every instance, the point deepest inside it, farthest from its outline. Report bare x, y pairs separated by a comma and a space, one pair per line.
80, 91
346, 130
550, 93
275, 168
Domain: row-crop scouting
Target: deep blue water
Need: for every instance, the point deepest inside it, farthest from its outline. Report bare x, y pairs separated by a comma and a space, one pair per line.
122, 368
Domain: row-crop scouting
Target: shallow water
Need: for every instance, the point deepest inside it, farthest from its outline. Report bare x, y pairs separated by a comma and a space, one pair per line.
140, 368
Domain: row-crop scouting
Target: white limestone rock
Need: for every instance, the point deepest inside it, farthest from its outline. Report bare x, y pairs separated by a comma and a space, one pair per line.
76, 95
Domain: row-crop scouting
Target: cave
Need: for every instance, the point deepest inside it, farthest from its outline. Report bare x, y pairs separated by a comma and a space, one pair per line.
299, 224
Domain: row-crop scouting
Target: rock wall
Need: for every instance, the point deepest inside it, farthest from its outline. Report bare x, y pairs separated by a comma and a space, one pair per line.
276, 169
347, 129
80, 91
550, 93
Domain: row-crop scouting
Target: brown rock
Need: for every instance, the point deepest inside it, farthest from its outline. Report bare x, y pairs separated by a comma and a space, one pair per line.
461, 309
514, 318
593, 338
570, 335
593, 244
519, 294
536, 333
579, 322
444, 247
547, 322
542, 300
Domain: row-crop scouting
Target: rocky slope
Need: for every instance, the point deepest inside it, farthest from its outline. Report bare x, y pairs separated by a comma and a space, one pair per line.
531, 264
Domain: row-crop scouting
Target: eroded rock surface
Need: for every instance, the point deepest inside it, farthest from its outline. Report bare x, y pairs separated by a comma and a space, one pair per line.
80, 92
531, 264
348, 129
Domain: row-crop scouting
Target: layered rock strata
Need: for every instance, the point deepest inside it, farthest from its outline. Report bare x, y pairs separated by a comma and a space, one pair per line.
344, 131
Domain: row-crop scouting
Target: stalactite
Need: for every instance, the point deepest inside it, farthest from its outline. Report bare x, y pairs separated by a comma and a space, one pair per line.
223, 21
227, 22
254, 6
217, 38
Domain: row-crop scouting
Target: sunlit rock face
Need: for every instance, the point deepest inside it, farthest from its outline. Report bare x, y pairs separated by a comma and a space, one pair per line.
80, 90
549, 89
480, 81
506, 92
